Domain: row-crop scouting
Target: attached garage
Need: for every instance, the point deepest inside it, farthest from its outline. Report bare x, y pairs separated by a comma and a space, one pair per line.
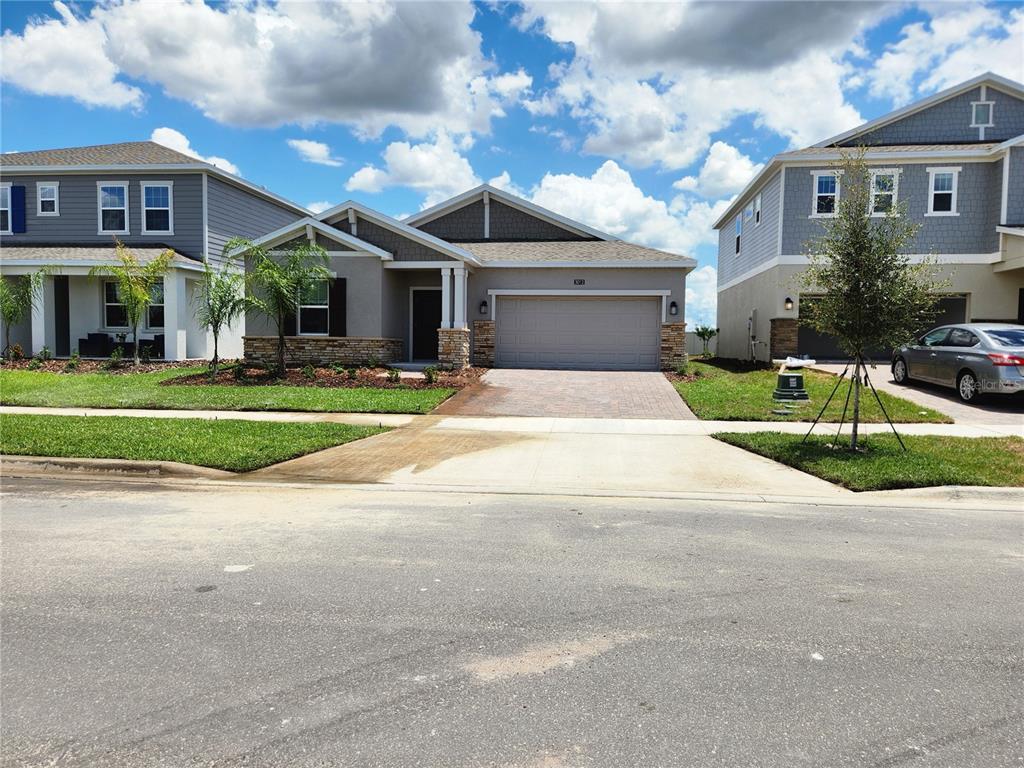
578, 333
952, 309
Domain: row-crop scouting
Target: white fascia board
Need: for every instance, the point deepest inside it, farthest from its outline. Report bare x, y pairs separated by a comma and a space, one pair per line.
511, 200
1018, 231
416, 235
687, 264
78, 267
988, 78
300, 227
1014, 142
213, 170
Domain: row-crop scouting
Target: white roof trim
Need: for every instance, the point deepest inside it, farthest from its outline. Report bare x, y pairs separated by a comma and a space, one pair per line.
988, 78
302, 226
9, 170
511, 200
1018, 231
684, 263
416, 235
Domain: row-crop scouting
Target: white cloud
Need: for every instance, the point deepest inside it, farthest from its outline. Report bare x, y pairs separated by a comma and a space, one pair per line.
726, 171
611, 201
319, 206
436, 169
178, 141
702, 297
504, 182
65, 57
367, 65
314, 152
965, 40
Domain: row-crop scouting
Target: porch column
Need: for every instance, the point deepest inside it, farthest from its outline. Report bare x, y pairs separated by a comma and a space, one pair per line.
460, 298
175, 315
446, 297
42, 318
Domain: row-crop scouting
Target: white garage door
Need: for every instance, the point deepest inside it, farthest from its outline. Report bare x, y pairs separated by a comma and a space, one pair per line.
578, 333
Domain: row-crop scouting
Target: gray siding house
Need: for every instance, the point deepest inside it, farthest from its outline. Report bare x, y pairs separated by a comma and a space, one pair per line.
64, 209
485, 277
956, 160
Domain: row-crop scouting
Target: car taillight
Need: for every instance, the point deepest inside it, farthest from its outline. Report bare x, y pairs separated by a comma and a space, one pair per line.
1001, 358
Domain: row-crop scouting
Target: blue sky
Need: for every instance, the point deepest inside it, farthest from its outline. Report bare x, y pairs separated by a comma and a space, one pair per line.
639, 119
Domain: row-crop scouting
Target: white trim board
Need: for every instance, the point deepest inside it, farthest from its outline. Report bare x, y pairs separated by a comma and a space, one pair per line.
495, 293
798, 260
423, 265
513, 201
688, 264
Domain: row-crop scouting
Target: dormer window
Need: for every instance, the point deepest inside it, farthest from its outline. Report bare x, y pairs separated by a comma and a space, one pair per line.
982, 114
47, 199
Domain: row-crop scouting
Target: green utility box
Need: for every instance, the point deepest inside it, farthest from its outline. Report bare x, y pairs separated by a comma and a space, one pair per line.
790, 386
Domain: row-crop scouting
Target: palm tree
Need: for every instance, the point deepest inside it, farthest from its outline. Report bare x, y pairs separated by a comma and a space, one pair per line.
136, 284
279, 279
18, 294
223, 299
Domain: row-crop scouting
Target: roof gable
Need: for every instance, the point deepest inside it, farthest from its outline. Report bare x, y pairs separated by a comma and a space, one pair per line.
949, 106
307, 226
486, 193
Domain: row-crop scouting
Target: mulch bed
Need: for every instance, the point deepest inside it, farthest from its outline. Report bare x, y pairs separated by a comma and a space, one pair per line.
329, 378
90, 366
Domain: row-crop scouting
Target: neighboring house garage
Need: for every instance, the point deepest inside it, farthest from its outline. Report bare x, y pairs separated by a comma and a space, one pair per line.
593, 332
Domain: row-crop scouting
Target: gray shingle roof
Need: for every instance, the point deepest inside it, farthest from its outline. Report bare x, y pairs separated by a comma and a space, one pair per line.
581, 251
124, 153
70, 255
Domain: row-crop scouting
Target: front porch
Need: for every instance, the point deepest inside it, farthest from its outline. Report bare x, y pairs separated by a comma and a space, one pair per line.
76, 312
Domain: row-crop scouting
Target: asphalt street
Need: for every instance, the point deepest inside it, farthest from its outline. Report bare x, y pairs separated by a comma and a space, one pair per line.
148, 625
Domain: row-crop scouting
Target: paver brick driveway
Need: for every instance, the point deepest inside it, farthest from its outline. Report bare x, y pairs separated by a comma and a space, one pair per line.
569, 394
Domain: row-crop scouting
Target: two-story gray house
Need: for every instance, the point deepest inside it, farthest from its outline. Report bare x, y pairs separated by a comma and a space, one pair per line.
955, 159
485, 276
64, 208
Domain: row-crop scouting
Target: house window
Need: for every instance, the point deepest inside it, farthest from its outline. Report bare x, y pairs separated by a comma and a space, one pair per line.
942, 188
158, 208
826, 193
883, 191
739, 231
313, 309
113, 208
47, 198
981, 114
155, 313
114, 315
5, 209
757, 209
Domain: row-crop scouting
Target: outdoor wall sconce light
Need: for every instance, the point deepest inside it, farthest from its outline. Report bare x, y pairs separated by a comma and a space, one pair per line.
673, 308
788, 304
483, 307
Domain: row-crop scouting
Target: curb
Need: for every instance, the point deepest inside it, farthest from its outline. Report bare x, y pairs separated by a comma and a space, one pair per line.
46, 466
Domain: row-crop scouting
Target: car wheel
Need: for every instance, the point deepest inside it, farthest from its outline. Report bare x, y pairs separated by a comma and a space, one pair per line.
899, 371
967, 387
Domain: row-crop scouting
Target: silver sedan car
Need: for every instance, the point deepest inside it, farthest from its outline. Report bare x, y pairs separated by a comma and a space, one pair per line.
974, 358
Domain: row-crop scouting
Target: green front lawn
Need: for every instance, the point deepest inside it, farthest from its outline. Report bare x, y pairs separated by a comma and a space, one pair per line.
723, 392
238, 446
930, 459
144, 390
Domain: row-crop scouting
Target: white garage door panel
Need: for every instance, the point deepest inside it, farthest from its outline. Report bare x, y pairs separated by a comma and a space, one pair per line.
599, 333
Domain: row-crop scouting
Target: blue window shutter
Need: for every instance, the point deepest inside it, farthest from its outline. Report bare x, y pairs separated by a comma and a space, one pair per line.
17, 209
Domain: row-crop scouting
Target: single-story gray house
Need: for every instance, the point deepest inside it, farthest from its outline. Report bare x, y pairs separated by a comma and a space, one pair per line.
486, 278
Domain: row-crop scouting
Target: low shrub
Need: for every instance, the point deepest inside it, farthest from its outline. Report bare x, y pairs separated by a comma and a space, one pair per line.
72, 364
308, 372
116, 359
44, 353
353, 373
430, 374
394, 375
16, 352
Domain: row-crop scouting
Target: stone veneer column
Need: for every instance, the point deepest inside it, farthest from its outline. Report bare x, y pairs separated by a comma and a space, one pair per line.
453, 347
483, 343
673, 345
783, 337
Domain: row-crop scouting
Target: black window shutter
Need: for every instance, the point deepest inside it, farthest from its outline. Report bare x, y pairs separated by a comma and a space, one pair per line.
290, 325
336, 307
17, 209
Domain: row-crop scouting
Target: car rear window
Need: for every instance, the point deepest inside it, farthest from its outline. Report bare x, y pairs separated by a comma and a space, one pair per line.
1007, 337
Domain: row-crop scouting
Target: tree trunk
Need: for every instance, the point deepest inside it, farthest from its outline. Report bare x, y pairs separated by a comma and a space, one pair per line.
135, 339
280, 346
213, 363
856, 404
7, 341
